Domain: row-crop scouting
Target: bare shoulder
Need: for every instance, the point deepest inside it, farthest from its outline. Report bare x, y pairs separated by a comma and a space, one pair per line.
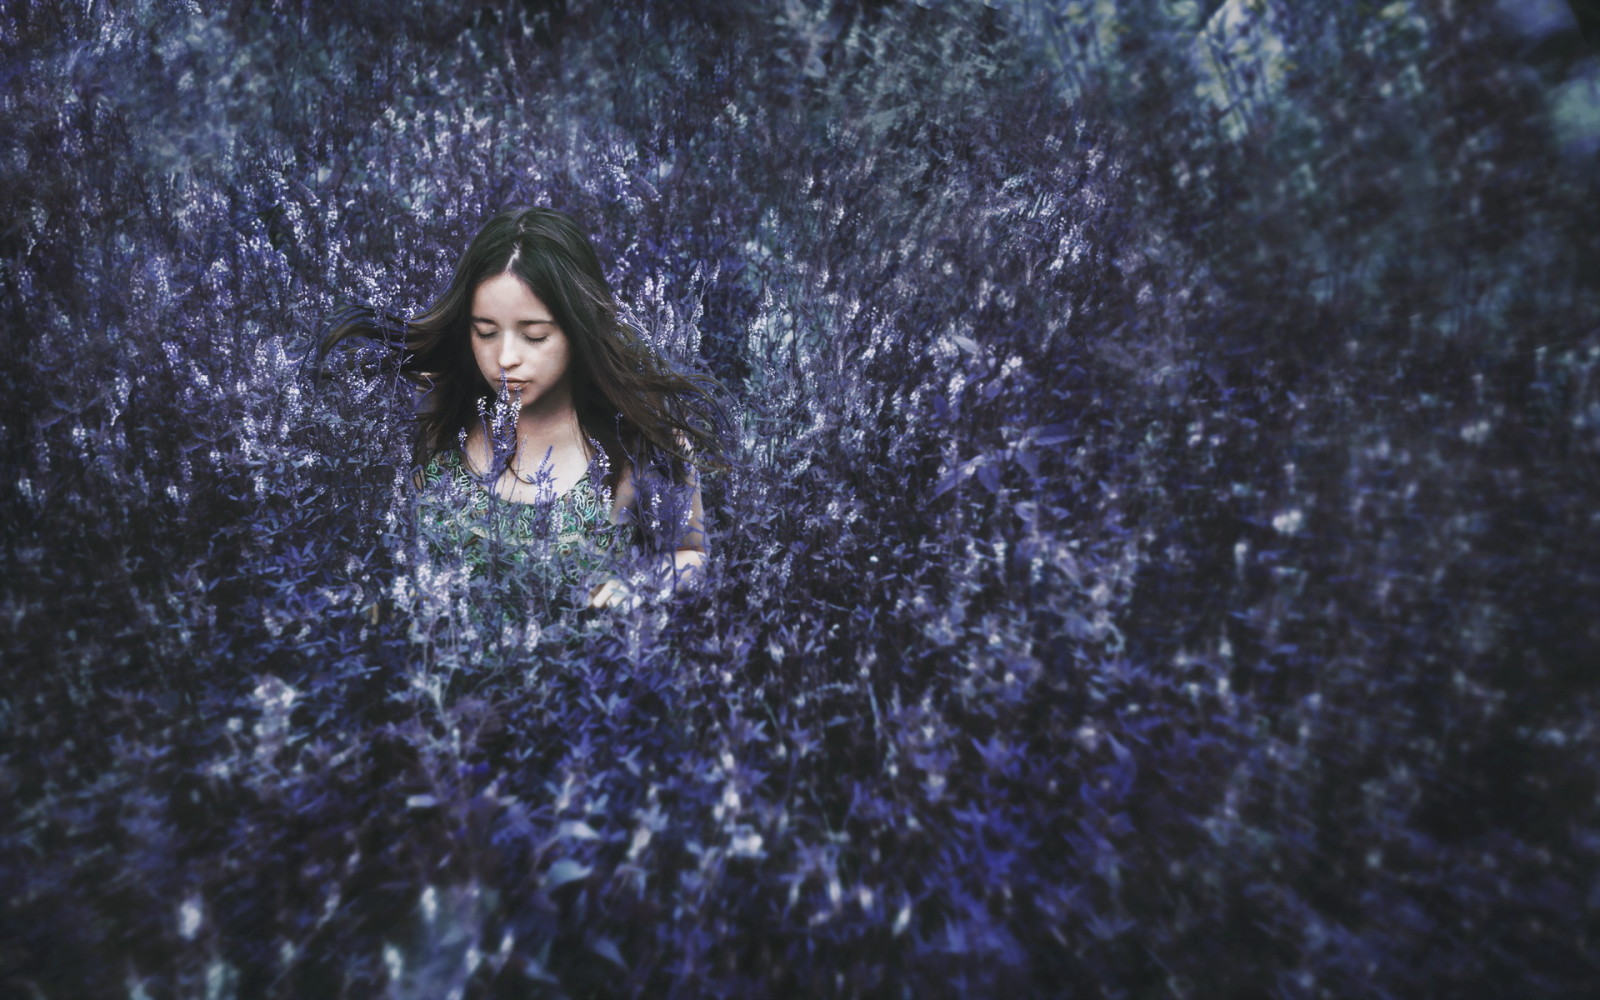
627, 491
475, 450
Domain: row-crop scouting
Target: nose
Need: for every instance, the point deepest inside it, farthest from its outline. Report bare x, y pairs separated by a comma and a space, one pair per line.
508, 353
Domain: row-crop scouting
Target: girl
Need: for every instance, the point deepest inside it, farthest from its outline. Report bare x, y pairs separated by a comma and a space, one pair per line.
594, 441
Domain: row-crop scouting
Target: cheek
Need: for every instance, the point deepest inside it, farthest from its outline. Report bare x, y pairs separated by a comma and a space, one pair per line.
563, 361
486, 361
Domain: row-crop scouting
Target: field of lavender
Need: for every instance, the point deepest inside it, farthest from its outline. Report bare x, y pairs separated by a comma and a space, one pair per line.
1159, 556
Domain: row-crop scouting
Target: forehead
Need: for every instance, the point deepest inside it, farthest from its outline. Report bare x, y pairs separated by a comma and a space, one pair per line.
507, 296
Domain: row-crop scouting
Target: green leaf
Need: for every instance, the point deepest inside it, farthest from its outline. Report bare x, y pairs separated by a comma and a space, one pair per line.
564, 871
607, 949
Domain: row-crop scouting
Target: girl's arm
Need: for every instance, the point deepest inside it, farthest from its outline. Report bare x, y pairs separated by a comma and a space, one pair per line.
685, 562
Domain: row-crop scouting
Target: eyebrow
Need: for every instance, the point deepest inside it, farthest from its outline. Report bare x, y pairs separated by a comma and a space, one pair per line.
520, 322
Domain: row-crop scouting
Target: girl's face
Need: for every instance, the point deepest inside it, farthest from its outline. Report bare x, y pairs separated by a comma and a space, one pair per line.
514, 334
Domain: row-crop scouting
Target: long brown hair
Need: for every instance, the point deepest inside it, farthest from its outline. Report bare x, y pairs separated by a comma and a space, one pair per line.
640, 409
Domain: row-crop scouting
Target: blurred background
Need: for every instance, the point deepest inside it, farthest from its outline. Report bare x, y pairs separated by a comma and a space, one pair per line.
1159, 556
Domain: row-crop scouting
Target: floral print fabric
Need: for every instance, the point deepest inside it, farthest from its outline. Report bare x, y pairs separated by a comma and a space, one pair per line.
566, 540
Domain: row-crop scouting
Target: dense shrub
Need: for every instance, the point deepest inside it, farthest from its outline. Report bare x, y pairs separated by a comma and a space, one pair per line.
1158, 559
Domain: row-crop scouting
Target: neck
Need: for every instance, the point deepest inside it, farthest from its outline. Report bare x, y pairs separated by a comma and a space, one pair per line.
546, 427
553, 413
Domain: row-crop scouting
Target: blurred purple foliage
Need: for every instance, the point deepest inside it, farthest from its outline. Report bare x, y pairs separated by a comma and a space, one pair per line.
1160, 556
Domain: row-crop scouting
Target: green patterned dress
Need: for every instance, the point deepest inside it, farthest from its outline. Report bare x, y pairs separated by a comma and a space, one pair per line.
563, 544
